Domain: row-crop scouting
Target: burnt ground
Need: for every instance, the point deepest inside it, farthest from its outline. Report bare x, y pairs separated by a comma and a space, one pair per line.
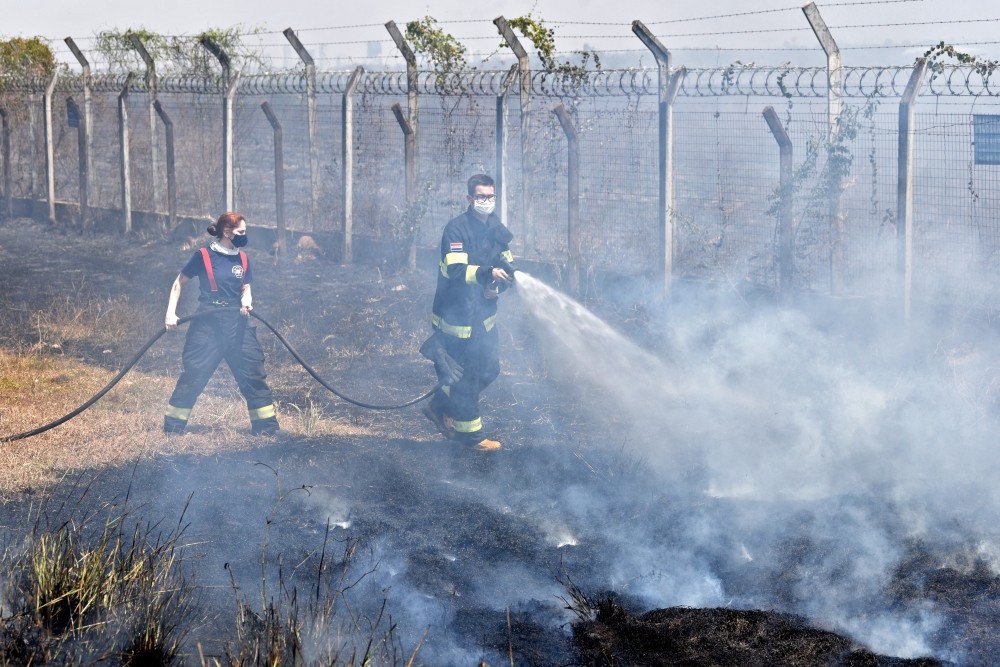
457, 543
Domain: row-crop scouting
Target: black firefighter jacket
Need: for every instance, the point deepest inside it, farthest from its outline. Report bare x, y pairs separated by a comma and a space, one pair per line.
469, 247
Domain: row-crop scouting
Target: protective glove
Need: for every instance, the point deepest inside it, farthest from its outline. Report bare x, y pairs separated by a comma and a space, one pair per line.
449, 371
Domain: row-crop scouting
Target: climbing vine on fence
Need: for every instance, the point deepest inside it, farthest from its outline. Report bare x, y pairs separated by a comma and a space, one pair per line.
178, 53
984, 67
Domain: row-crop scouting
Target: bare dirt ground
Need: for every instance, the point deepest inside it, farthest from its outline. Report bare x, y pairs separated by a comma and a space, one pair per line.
473, 551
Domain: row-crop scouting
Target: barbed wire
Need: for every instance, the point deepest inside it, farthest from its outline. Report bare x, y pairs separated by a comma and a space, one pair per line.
773, 11
832, 27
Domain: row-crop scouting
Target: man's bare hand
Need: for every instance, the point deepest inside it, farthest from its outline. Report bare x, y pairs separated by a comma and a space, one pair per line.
170, 321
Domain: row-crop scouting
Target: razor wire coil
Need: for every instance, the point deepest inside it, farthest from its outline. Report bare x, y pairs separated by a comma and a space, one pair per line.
760, 81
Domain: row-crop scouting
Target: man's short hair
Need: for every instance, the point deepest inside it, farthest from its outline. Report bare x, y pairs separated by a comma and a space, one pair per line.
480, 179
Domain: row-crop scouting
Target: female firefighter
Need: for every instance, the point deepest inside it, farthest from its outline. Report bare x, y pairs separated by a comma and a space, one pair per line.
225, 276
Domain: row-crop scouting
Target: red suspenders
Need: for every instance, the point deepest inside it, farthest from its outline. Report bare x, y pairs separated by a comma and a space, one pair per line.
207, 259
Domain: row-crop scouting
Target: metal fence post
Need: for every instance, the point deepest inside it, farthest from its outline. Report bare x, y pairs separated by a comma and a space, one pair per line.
88, 114
347, 162
81, 137
50, 156
500, 171
8, 201
279, 176
572, 197
151, 84
834, 92
904, 186
123, 147
786, 225
668, 86
310, 66
408, 156
168, 127
524, 95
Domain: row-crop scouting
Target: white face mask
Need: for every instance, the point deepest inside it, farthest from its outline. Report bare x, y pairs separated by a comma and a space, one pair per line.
484, 207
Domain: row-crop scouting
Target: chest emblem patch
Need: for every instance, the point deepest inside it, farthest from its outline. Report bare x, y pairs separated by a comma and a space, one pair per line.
238, 271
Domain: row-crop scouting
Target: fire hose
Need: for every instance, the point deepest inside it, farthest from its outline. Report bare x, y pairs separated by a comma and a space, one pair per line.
145, 348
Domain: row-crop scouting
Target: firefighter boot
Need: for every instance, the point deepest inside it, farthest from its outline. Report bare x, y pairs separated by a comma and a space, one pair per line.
487, 445
434, 411
263, 420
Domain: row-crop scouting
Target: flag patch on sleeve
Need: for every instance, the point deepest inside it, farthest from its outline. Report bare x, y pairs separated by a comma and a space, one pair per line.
456, 247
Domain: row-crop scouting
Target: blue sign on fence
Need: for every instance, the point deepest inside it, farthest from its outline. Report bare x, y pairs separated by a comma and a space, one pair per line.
986, 138
72, 117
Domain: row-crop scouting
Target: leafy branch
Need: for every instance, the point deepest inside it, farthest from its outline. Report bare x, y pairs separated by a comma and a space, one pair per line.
941, 51
25, 58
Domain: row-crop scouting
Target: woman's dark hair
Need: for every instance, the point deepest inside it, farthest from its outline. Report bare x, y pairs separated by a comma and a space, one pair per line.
225, 223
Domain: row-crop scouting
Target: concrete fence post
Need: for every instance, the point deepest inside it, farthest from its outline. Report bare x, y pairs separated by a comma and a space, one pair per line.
500, 170
411, 173
32, 148
668, 87
572, 197
123, 155
8, 200
81, 137
230, 82
168, 127
228, 157
410, 129
279, 177
783, 255
88, 113
314, 175
524, 96
904, 185
347, 163
50, 154
151, 87
213, 47
834, 93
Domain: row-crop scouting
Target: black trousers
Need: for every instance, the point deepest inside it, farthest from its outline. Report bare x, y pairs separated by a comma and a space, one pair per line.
229, 336
479, 357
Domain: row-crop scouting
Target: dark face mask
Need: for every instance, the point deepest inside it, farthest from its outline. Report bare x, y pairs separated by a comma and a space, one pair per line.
240, 240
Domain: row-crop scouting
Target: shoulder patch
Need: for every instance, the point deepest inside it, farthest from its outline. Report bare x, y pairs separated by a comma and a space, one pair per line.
456, 246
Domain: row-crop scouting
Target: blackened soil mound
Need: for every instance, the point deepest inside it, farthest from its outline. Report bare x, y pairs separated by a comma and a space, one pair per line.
724, 637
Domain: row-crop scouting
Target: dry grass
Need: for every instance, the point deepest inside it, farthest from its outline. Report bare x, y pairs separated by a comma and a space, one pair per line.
126, 424
77, 318
83, 589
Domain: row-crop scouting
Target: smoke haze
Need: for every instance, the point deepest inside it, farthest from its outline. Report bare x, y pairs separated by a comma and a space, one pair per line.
821, 452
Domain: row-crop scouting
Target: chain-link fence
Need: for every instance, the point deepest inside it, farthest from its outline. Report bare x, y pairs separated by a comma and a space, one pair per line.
725, 170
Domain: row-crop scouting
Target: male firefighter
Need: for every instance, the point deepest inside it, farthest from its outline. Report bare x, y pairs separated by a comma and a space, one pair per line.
475, 269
